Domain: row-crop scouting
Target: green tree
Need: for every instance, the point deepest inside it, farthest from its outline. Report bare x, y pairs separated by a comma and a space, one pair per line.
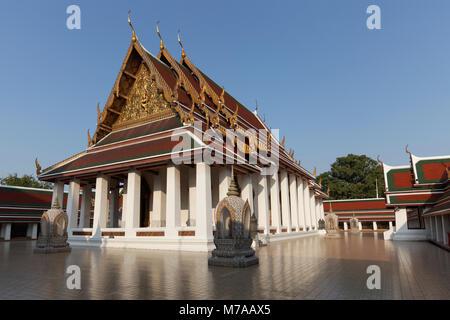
27, 180
353, 177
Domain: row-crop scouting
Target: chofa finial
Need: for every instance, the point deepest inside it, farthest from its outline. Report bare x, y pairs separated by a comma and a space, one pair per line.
161, 46
406, 150
133, 36
183, 54
379, 160
38, 167
315, 172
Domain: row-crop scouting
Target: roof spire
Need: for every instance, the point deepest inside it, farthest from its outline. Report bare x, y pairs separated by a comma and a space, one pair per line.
256, 106
379, 160
183, 54
406, 150
38, 167
133, 36
315, 172
234, 189
161, 46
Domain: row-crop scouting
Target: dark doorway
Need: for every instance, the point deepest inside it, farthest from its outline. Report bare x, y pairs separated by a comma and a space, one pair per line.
145, 204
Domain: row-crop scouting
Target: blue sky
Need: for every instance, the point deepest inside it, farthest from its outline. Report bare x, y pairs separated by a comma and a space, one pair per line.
328, 83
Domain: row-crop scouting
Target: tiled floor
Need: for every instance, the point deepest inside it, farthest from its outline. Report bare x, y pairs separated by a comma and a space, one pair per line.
305, 268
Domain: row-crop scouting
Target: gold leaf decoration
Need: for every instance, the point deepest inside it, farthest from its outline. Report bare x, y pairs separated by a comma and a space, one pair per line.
145, 102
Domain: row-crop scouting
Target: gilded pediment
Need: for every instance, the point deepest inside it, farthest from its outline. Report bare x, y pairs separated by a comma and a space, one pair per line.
145, 102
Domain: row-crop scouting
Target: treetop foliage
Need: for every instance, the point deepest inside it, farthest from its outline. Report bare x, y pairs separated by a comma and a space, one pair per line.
27, 180
353, 177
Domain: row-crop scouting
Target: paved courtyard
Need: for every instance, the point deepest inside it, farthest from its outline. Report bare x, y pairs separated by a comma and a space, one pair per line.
304, 268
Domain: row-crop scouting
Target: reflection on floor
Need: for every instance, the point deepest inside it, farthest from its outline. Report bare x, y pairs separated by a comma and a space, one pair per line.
304, 268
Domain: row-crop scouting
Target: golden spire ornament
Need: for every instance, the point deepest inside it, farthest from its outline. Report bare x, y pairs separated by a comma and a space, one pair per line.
38, 167
133, 36
315, 172
183, 54
161, 46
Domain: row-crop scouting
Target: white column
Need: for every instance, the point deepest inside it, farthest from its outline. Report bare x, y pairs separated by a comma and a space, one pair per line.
203, 202
159, 200
317, 202
345, 226
313, 209
432, 228
192, 197
34, 231
124, 204
286, 210
133, 213
359, 226
439, 233
263, 204
294, 203
73, 201
306, 205
100, 206
224, 181
401, 220
246, 184
58, 188
445, 227
7, 231
29, 229
375, 227
322, 211
85, 214
301, 207
173, 201
390, 225
275, 201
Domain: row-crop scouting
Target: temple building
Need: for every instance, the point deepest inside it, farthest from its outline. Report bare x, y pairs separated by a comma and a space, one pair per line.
420, 194
372, 213
147, 167
21, 209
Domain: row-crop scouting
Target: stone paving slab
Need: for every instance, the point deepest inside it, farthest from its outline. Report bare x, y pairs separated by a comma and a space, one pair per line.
305, 268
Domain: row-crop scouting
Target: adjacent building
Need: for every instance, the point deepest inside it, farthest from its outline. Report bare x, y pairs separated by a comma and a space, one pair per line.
419, 193
21, 209
372, 214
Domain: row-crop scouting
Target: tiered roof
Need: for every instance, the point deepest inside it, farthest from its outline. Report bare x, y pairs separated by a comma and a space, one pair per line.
151, 97
420, 183
363, 209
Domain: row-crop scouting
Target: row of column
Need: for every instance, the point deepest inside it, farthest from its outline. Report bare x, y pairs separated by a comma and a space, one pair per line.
286, 203
439, 227
167, 214
283, 201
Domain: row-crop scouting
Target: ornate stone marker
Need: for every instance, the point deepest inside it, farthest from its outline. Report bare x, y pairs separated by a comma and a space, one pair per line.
354, 225
234, 230
332, 224
53, 236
